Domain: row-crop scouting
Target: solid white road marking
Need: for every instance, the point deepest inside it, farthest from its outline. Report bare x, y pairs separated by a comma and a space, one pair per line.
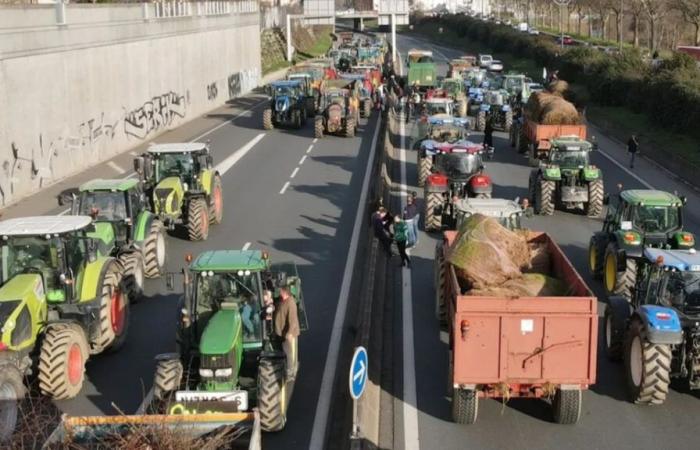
410, 414
629, 172
246, 246
284, 188
308, 150
318, 434
116, 167
294, 173
301, 161
227, 163
315, 140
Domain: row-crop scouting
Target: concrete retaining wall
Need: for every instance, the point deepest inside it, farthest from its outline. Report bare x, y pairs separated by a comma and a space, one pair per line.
68, 102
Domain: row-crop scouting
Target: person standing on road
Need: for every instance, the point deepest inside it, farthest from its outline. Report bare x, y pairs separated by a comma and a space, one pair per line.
401, 236
411, 216
380, 231
286, 324
632, 149
488, 133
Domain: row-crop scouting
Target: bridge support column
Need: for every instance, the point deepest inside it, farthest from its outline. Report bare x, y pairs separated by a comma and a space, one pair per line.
393, 39
356, 25
362, 24
289, 38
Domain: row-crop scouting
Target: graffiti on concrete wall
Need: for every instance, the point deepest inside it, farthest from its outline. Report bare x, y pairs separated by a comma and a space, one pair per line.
234, 85
212, 91
154, 115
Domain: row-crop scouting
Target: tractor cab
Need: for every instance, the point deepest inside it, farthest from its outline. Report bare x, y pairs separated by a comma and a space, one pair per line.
437, 105
440, 128
508, 212
570, 153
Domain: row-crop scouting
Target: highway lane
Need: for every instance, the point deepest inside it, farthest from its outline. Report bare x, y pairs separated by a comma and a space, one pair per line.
288, 194
608, 420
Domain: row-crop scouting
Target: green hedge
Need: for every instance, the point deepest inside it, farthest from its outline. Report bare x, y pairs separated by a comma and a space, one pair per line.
669, 95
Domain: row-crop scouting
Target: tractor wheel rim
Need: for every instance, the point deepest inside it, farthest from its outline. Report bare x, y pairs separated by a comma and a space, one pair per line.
218, 203
592, 257
160, 250
138, 275
636, 361
75, 364
610, 273
117, 311
608, 331
205, 223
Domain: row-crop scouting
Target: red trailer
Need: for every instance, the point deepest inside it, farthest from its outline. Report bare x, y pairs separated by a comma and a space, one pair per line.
692, 51
534, 138
529, 347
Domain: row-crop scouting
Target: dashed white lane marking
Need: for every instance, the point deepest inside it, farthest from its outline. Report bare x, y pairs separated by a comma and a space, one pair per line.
308, 150
116, 167
246, 246
294, 173
284, 188
227, 163
315, 140
301, 161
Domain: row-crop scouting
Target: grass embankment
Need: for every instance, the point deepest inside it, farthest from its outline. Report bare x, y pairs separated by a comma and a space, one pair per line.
309, 43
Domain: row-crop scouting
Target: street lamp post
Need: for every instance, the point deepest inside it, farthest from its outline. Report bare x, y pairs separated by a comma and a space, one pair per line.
561, 4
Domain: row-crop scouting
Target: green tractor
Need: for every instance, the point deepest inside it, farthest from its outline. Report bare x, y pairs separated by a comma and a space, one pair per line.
59, 303
568, 179
639, 219
229, 359
183, 186
454, 88
124, 227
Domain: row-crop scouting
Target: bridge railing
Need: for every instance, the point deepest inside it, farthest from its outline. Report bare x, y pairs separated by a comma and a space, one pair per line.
172, 8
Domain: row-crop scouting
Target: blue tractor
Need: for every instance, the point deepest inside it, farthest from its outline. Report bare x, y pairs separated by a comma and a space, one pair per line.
287, 105
497, 109
657, 331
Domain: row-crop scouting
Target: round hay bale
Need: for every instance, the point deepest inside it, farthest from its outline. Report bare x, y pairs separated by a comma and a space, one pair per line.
559, 112
558, 87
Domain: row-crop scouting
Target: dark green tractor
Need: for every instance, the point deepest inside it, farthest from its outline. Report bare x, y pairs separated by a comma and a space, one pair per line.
636, 220
568, 179
229, 359
124, 227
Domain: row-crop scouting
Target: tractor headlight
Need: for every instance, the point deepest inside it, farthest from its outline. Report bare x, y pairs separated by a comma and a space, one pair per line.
206, 373
222, 373
184, 187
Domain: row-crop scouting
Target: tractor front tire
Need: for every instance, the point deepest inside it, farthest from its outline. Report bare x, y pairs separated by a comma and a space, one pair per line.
367, 108
424, 165
594, 207
566, 406
481, 121
612, 338
64, 351
647, 367
114, 312
267, 119
12, 390
618, 282
596, 256
318, 127
432, 221
197, 220
465, 406
216, 210
544, 197
134, 271
154, 250
350, 126
271, 394
167, 378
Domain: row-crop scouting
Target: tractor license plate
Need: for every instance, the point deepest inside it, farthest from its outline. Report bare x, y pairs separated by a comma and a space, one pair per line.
238, 397
574, 194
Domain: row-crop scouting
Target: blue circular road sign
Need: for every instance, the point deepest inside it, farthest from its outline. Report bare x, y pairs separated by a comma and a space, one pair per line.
358, 373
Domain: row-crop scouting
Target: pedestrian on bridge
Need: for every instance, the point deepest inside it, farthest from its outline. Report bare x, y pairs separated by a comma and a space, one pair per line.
632, 149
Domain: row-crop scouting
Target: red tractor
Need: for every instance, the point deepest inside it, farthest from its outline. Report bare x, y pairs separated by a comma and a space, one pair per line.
457, 172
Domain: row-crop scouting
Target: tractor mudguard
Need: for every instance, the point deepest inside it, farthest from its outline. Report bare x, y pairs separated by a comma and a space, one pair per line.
22, 293
551, 174
90, 279
629, 244
206, 178
591, 173
661, 324
142, 226
683, 239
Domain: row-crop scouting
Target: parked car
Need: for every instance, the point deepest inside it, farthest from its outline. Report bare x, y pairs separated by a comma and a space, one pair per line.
533, 31
496, 66
522, 26
566, 40
485, 61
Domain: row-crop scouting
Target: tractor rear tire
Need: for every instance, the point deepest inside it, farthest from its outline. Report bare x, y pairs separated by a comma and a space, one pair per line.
544, 197
432, 221
114, 311
440, 280
318, 127
134, 271
267, 119
596, 256
167, 378
154, 250
612, 338
618, 282
367, 108
566, 406
216, 210
511, 136
521, 141
594, 207
12, 390
198, 220
64, 351
350, 126
424, 164
647, 367
465, 406
508, 123
481, 121
271, 394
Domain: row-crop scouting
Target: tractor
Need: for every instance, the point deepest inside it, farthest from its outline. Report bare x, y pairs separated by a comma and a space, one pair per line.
456, 172
183, 186
639, 219
310, 87
421, 68
517, 87
509, 213
363, 88
229, 358
289, 104
567, 178
59, 303
436, 129
656, 331
339, 110
495, 108
454, 89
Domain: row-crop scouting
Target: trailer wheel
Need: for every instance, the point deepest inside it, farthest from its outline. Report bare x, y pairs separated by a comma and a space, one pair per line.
511, 136
566, 406
532, 159
167, 378
424, 165
618, 283
62, 358
154, 250
440, 308
197, 220
267, 119
481, 121
612, 337
114, 311
432, 221
595, 198
318, 127
521, 141
544, 193
133, 274
465, 406
12, 390
272, 398
647, 368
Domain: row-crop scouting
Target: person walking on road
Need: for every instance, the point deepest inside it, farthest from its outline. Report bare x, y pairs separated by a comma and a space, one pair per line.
411, 217
380, 231
632, 149
488, 133
286, 324
401, 236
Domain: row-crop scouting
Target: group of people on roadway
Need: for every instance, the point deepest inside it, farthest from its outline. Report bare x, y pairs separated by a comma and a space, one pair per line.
401, 229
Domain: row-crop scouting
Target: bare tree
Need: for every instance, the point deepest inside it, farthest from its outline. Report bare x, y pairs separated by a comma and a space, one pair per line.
636, 10
690, 9
579, 6
655, 11
618, 8
601, 8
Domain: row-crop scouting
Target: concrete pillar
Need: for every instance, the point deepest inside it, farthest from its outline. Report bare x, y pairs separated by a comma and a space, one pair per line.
393, 39
362, 24
146, 11
60, 12
289, 37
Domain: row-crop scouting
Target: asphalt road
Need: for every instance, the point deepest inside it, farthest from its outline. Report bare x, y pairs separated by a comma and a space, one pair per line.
609, 420
288, 194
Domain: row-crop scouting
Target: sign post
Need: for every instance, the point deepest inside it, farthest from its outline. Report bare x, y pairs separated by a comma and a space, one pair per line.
358, 382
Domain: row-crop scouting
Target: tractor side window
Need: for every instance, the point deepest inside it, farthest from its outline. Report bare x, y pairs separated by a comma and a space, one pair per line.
136, 202
652, 294
75, 254
23, 327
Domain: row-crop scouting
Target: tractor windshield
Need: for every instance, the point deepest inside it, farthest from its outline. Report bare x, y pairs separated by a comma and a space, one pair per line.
656, 219
452, 87
438, 108
109, 206
513, 84
456, 164
26, 254
447, 133
681, 290
281, 91
174, 165
241, 288
570, 159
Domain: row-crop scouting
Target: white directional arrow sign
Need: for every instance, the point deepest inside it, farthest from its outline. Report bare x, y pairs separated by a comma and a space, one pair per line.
358, 373
359, 376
